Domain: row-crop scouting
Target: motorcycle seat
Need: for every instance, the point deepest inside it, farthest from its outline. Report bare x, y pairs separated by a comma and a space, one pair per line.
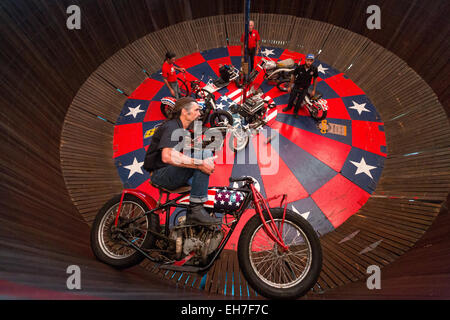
178, 190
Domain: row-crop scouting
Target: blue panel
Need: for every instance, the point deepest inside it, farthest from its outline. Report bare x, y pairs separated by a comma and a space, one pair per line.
366, 112
315, 217
363, 180
326, 90
200, 69
127, 159
126, 116
328, 70
215, 53
148, 125
309, 124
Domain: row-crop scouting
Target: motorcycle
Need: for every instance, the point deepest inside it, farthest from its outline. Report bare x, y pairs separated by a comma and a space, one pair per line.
275, 71
207, 102
228, 73
316, 105
278, 251
249, 117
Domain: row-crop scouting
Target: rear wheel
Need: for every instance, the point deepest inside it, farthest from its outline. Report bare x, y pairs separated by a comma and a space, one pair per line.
272, 272
166, 109
105, 242
283, 85
318, 113
184, 90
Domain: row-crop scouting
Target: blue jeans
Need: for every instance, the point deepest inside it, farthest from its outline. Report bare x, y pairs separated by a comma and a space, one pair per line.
172, 177
176, 89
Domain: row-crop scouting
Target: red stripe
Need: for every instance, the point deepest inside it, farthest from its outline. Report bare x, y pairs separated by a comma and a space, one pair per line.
366, 135
147, 89
127, 138
339, 199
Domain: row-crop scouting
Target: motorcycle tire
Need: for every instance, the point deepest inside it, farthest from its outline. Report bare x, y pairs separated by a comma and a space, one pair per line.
116, 252
320, 116
184, 89
290, 282
204, 94
219, 117
283, 85
166, 109
237, 144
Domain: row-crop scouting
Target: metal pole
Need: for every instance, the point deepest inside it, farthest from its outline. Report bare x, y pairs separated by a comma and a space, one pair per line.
245, 66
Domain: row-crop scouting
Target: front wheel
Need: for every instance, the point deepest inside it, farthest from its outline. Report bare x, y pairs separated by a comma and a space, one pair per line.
270, 271
239, 140
105, 242
318, 113
204, 94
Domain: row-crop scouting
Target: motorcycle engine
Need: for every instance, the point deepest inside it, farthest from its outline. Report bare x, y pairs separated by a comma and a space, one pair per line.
252, 107
205, 246
203, 241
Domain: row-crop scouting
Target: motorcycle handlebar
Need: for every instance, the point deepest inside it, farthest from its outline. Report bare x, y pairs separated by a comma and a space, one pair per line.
238, 179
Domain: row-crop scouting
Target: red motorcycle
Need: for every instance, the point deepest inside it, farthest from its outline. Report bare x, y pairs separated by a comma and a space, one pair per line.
279, 252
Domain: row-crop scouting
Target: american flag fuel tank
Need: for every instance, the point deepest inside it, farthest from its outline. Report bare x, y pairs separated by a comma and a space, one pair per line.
221, 199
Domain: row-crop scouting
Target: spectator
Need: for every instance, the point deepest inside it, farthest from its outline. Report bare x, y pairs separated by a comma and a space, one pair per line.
170, 77
253, 44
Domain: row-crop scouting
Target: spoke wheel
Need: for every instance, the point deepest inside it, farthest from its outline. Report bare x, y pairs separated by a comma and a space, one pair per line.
273, 272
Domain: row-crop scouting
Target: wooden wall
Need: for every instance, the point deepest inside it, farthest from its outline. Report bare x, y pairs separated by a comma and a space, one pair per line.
55, 83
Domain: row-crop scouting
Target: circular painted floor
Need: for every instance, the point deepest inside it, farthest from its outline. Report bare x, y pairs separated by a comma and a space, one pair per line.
328, 176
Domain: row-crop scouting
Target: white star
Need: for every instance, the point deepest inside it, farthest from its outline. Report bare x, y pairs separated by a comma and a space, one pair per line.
363, 167
305, 215
359, 107
227, 196
224, 98
222, 202
134, 111
220, 106
238, 204
134, 167
322, 69
267, 52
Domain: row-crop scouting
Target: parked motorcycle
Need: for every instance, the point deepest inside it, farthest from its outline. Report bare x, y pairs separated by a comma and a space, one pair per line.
316, 105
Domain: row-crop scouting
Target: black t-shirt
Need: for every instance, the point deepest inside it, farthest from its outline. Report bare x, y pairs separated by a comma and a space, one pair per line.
303, 77
165, 136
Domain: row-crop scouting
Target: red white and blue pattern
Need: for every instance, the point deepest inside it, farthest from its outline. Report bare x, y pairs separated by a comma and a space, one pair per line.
221, 199
327, 176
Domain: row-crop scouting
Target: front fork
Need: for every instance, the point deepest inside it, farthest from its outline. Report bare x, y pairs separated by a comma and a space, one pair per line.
273, 232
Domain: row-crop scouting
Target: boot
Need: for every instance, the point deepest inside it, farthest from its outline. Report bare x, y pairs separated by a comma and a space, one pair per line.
197, 215
287, 108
